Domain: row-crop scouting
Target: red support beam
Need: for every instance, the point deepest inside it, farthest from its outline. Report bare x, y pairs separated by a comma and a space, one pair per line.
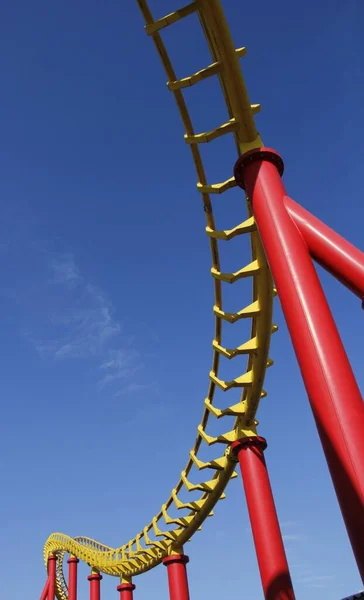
44, 594
94, 580
272, 561
126, 589
333, 392
52, 575
340, 258
177, 576
72, 577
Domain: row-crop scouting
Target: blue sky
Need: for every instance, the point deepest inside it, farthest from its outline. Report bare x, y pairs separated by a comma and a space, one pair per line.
102, 228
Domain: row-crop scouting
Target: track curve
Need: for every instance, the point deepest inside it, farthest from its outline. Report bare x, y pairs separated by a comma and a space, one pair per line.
168, 531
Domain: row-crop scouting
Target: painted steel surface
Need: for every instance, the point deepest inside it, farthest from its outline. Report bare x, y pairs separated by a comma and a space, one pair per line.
334, 395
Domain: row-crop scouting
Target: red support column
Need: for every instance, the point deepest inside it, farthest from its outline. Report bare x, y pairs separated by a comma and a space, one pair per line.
72, 577
94, 580
177, 576
126, 589
272, 561
52, 574
334, 395
44, 594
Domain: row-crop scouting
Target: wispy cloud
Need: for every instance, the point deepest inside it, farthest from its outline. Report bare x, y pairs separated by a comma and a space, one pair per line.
293, 534
293, 537
65, 270
82, 324
140, 387
120, 366
303, 574
306, 576
316, 581
289, 524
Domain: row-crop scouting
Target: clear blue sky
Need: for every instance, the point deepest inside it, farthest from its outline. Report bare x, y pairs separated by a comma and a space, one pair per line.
101, 228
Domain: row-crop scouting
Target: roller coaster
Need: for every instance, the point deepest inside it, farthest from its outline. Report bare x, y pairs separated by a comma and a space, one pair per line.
285, 241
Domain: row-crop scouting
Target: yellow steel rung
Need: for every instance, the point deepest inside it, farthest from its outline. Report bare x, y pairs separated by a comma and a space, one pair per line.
217, 188
149, 542
225, 438
133, 555
205, 73
274, 328
181, 521
173, 17
139, 547
142, 559
240, 51
195, 506
248, 348
206, 486
245, 380
236, 410
247, 271
171, 535
209, 71
246, 227
263, 394
135, 562
218, 464
249, 311
270, 362
255, 108
208, 136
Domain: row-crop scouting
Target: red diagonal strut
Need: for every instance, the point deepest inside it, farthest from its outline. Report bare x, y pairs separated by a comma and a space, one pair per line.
44, 594
340, 258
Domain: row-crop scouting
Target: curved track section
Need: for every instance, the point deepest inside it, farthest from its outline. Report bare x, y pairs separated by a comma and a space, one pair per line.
179, 518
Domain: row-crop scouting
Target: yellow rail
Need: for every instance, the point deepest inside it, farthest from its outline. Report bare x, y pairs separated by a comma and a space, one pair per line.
168, 531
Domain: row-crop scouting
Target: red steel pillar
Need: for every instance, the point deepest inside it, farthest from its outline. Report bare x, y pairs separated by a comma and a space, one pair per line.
94, 580
272, 561
72, 577
44, 594
334, 395
126, 589
177, 576
52, 574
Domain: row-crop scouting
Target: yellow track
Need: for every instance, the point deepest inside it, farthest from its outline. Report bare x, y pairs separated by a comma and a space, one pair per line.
167, 533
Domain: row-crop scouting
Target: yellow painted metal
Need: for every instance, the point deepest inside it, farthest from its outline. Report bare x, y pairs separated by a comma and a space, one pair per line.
179, 519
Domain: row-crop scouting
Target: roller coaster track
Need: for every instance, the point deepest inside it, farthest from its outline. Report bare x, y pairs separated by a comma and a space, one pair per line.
168, 531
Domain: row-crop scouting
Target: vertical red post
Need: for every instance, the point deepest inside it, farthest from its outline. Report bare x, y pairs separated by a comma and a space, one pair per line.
177, 576
272, 561
72, 577
334, 395
52, 575
126, 589
94, 580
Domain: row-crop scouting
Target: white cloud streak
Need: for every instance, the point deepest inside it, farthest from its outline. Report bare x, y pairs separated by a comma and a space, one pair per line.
293, 537
65, 270
316, 581
120, 365
305, 576
82, 325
